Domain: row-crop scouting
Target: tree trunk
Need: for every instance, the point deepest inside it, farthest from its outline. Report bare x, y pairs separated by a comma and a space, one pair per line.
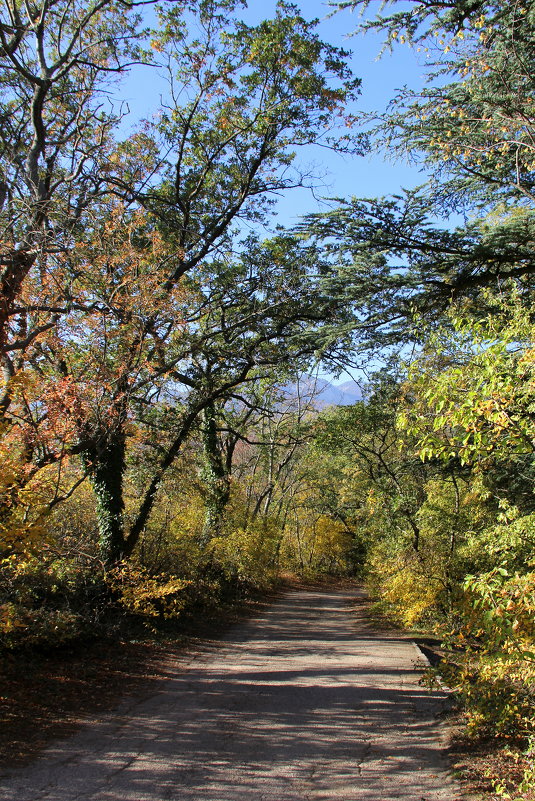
215, 476
106, 465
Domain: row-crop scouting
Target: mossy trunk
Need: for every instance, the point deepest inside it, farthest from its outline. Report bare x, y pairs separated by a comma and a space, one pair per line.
214, 475
106, 465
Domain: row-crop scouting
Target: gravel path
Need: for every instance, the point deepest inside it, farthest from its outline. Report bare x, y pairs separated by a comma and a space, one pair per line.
306, 702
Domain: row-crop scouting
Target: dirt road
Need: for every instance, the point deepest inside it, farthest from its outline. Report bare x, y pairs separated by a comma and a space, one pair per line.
306, 702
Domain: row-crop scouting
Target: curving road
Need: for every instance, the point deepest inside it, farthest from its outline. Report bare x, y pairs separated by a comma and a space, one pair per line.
307, 702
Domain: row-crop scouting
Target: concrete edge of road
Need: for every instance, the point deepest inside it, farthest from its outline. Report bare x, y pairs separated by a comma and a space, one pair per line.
423, 659
444, 723
423, 662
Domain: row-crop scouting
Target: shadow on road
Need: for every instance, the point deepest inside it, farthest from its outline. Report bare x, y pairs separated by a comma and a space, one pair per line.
299, 704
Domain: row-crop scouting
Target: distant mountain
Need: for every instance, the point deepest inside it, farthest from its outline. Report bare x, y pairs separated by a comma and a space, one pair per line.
349, 389
339, 394
323, 393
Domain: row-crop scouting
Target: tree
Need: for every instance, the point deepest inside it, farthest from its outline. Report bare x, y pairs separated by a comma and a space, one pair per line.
471, 392
58, 60
465, 297
473, 127
367, 433
131, 277
477, 131
242, 99
258, 436
269, 313
146, 363
401, 267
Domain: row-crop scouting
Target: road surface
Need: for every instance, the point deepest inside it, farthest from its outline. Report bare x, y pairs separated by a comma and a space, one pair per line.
306, 703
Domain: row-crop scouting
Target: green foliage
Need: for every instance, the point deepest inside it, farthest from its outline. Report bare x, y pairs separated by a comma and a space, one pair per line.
450, 544
503, 609
149, 339
434, 531
423, 587
128, 312
493, 666
476, 131
471, 397
466, 406
472, 127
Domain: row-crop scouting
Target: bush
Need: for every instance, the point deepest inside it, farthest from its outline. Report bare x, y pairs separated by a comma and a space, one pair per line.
141, 593
23, 627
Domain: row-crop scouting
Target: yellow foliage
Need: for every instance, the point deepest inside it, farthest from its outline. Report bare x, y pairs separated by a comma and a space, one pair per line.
405, 589
317, 544
149, 595
247, 553
24, 503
